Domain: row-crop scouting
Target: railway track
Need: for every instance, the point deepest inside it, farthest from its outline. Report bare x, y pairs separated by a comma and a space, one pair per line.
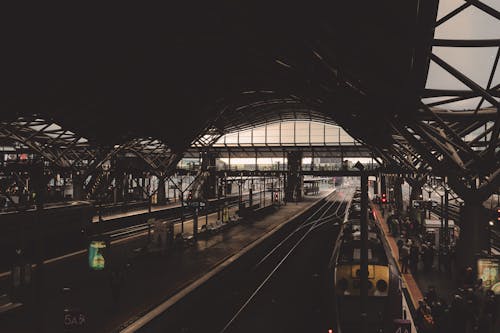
278, 286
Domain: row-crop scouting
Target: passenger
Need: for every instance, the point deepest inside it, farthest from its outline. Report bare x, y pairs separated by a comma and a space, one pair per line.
400, 243
457, 314
445, 324
428, 257
405, 256
490, 307
414, 255
431, 295
468, 278
424, 320
471, 310
437, 311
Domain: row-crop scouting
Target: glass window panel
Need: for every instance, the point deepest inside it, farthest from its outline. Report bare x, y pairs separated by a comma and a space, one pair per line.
259, 135
273, 134
287, 133
246, 137
471, 23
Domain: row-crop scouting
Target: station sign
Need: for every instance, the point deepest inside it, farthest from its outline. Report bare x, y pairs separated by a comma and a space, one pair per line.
194, 204
424, 204
97, 254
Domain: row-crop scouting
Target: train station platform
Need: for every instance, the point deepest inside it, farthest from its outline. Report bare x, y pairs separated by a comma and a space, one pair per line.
149, 280
156, 208
409, 280
446, 284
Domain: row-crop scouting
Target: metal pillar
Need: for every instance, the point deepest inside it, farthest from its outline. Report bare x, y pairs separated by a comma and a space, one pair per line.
364, 253
446, 215
383, 186
39, 183
195, 224
398, 193
161, 196
294, 184
209, 164
250, 194
78, 191
474, 232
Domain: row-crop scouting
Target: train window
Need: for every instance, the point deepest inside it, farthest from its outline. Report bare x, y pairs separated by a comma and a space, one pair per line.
357, 254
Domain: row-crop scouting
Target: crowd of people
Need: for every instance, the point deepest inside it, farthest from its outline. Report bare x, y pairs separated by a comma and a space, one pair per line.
472, 308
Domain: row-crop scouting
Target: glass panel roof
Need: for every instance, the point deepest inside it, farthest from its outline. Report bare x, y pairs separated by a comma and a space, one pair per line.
474, 62
289, 133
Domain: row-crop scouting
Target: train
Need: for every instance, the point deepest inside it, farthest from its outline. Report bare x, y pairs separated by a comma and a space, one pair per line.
384, 286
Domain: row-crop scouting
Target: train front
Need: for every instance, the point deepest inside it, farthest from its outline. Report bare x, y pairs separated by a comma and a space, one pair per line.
384, 297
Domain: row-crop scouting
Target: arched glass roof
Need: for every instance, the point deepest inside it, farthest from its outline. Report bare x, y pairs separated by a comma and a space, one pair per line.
288, 133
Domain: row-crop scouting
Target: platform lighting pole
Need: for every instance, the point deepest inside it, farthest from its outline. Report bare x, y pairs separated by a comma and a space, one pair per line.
219, 193
207, 188
182, 205
442, 215
363, 269
430, 206
195, 224
260, 194
264, 204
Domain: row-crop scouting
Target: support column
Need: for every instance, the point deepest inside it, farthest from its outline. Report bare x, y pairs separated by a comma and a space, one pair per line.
416, 188
121, 183
250, 194
77, 183
416, 184
473, 238
293, 190
398, 193
383, 187
364, 254
161, 195
208, 164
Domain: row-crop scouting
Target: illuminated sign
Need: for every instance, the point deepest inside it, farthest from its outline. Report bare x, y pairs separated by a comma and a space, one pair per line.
97, 259
489, 271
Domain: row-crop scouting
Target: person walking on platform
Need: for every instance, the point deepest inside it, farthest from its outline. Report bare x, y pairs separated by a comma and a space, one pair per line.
405, 256
400, 244
428, 257
490, 308
468, 278
431, 295
437, 312
471, 310
390, 224
414, 255
457, 314
424, 320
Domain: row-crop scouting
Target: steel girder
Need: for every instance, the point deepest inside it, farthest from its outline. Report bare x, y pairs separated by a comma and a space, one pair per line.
463, 145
